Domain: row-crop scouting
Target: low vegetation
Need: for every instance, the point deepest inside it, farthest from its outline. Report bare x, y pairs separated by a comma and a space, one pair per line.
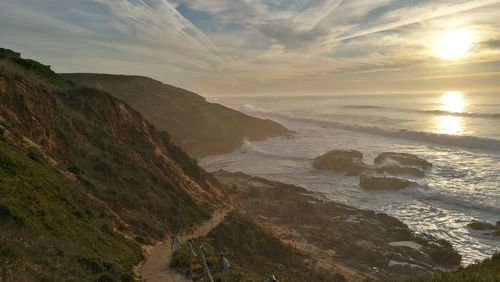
213, 128
50, 231
486, 271
84, 180
253, 253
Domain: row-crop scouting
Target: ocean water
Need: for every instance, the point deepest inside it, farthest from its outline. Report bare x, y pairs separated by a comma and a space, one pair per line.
458, 132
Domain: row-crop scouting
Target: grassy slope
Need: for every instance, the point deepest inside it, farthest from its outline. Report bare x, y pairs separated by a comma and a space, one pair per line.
107, 145
485, 271
128, 177
253, 253
50, 230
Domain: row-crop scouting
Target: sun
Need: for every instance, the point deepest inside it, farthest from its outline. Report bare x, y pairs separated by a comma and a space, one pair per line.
454, 44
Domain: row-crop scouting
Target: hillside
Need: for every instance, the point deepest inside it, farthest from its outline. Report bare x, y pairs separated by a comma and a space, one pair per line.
254, 255
84, 179
199, 127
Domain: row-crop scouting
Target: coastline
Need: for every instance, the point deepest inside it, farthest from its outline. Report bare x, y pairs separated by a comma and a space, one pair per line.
337, 238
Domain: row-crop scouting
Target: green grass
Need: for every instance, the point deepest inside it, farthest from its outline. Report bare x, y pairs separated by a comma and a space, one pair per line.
253, 253
105, 143
50, 230
69, 228
485, 271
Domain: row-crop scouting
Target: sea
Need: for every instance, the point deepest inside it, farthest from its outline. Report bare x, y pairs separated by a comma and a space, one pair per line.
458, 132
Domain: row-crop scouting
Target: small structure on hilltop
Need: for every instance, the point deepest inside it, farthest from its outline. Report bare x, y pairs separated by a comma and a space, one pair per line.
9, 53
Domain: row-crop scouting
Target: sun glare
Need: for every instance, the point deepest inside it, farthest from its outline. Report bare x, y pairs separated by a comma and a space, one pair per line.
452, 101
454, 44
449, 125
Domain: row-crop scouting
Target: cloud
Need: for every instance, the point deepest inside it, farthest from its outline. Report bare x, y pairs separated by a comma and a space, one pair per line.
492, 44
230, 45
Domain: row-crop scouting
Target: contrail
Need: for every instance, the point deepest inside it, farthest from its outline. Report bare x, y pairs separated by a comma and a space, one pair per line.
441, 12
201, 39
145, 4
332, 7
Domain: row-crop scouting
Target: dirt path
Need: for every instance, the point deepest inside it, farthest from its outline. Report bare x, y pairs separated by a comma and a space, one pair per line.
156, 266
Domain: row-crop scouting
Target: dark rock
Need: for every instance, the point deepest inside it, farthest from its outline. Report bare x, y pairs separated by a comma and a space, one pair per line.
357, 168
371, 181
402, 158
439, 250
479, 225
348, 161
398, 170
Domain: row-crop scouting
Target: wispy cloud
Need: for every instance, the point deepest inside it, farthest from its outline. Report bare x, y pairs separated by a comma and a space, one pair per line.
236, 45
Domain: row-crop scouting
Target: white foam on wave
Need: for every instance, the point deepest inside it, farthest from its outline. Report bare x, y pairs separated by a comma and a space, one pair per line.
433, 112
388, 162
253, 147
428, 137
409, 244
399, 263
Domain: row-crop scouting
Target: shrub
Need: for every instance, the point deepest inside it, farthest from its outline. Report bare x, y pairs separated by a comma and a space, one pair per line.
7, 214
34, 155
7, 166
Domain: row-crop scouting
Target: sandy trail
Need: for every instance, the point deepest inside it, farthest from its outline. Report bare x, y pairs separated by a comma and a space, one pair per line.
156, 267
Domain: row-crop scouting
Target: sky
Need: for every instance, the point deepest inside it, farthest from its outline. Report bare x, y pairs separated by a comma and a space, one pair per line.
264, 47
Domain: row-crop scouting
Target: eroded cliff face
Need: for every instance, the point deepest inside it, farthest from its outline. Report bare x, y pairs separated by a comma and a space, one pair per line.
199, 127
107, 146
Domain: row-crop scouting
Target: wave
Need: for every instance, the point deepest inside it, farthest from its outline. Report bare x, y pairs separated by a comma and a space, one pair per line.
434, 112
428, 137
252, 147
445, 139
466, 141
432, 194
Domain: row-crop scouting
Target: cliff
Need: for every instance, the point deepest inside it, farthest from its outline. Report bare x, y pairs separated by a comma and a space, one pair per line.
85, 179
199, 127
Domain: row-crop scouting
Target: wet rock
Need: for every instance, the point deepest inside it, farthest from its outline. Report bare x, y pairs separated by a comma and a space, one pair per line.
403, 159
481, 226
370, 181
440, 251
346, 161
485, 226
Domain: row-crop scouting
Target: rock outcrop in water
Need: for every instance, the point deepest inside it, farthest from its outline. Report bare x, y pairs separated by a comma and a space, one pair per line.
371, 181
404, 159
344, 161
485, 226
401, 164
375, 177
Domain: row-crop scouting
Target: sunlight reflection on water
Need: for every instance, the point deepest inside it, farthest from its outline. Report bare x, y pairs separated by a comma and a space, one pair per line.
451, 102
449, 124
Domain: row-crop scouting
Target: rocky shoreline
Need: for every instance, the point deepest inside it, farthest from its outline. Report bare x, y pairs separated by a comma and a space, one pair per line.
387, 173
357, 243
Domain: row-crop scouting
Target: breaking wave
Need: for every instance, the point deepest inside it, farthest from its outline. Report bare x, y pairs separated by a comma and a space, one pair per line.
433, 112
428, 137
